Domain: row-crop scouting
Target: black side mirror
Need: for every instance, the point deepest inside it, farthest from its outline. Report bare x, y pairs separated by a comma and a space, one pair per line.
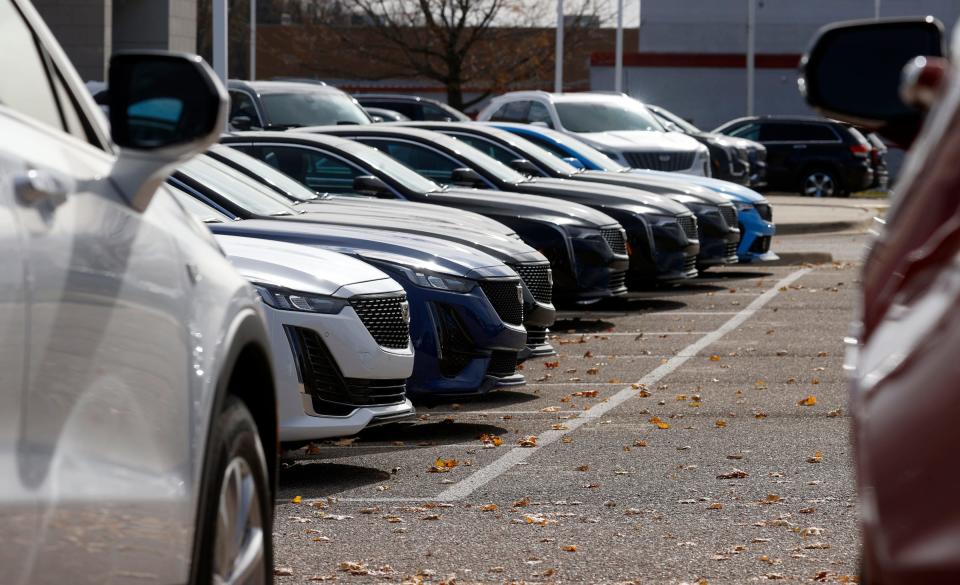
853, 71
159, 100
164, 108
241, 123
466, 177
522, 165
372, 186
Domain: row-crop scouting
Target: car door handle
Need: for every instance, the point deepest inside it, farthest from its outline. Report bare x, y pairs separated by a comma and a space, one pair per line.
35, 187
799, 146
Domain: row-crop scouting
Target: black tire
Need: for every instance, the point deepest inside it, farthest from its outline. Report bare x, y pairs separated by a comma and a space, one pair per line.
819, 183
234, 452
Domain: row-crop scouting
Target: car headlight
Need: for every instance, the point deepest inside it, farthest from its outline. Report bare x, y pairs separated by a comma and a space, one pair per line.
287, 300
428, 279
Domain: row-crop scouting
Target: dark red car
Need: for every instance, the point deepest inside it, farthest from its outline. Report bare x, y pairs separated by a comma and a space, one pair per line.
904, 359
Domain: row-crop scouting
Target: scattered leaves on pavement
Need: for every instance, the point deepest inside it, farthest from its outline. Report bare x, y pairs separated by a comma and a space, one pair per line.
808, 401
442, 465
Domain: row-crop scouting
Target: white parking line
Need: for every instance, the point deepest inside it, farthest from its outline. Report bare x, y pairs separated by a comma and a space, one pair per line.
517, 455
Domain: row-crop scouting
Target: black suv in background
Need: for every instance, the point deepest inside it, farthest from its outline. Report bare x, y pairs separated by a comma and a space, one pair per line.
413, 107
813, 157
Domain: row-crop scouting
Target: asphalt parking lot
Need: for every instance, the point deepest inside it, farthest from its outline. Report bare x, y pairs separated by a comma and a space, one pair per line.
696, 434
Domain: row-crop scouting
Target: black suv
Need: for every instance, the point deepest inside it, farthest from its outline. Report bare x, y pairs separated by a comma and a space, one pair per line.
411, 106
814, 157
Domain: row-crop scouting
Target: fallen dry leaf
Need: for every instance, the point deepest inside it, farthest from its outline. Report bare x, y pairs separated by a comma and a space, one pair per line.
570, 548
639, 443
715, 506
442, 465
587, 393
296, 500
714, 358
283, 571
659, 423
593, 371
817, 457
551, 365
835, 413
808, 401
488, 508
345, 442
530, 441
522, 503
583, 468
734, 474
491, 440
807, 510
720, 423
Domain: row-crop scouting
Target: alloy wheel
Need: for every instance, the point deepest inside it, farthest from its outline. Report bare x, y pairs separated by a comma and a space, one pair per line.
819, 184
239, 546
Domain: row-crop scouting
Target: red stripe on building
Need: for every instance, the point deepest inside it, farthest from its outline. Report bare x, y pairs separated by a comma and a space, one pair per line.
701, 60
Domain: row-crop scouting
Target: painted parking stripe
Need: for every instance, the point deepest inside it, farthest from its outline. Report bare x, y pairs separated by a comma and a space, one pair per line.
518, 455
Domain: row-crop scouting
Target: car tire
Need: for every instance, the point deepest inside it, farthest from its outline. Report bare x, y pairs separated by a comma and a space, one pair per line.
234, 533
819, 183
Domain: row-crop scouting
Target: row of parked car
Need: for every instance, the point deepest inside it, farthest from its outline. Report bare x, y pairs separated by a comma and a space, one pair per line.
811, 156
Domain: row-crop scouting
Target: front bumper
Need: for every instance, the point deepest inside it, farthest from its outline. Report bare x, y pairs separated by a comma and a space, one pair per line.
332, 377
462, 345
718, 239
590, 271
666, 253
756, 235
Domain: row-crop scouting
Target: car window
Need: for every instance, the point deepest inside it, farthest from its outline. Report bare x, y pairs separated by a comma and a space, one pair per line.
782, 132
408, 109
241, 104
316, 169
748, 131
261, 171
433, 113
311, 109
427, 162
606, 116
512, 112
27, 87
488, 148
539, 113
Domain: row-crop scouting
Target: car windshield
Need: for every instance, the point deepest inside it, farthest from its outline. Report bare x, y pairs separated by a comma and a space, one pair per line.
400, 173
538, 155
606, 116
264, 173
236, 187
197, 208
311, 109
563, 144
486, 163
678, 121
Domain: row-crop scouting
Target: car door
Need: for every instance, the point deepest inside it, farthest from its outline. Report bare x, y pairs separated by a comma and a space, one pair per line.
427, 161
320, 170
782, 151
18, 518
104, 441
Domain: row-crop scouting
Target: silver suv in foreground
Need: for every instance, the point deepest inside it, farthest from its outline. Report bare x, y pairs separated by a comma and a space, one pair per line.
137, 407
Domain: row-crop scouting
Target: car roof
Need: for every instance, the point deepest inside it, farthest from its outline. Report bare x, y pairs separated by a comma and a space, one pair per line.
389, 128
393, 96
274, 87
290, 136
578, 96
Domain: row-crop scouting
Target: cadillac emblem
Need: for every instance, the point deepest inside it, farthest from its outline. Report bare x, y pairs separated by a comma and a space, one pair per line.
405, 312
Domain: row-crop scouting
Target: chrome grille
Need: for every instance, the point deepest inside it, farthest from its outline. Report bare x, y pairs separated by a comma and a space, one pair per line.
731, 250
332, 393
661, 161
689, 226
506, 299
729, 215
538, 279
387, 318
765, 211
615, 238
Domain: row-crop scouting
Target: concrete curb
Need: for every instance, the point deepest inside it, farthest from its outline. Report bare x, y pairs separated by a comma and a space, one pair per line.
865, 218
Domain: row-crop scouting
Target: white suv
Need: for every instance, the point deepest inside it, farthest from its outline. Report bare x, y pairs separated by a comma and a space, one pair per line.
340, 334
137, 410
615, 124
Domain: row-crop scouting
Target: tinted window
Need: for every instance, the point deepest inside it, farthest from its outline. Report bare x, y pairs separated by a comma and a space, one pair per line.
241, 104
539, 113
489, 148
777, 132
261, 171
311, 109
26, 87
512, 112
427, 162
748, 131
432, 112
408, 109
605, 116
315, 169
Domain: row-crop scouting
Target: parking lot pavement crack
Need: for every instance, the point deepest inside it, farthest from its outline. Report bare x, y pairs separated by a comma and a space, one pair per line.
517, 455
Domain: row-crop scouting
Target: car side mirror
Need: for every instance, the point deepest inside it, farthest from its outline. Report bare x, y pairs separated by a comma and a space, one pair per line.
522, 165
372, 187
853, 72
466, 177
241, 123
164, 109
574, 161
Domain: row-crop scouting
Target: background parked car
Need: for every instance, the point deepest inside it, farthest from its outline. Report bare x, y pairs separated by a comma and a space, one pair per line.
278, 105
384, 115
810, 156
341, 358
413, 107
615, 124
878, 158
730, 158
137, 399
